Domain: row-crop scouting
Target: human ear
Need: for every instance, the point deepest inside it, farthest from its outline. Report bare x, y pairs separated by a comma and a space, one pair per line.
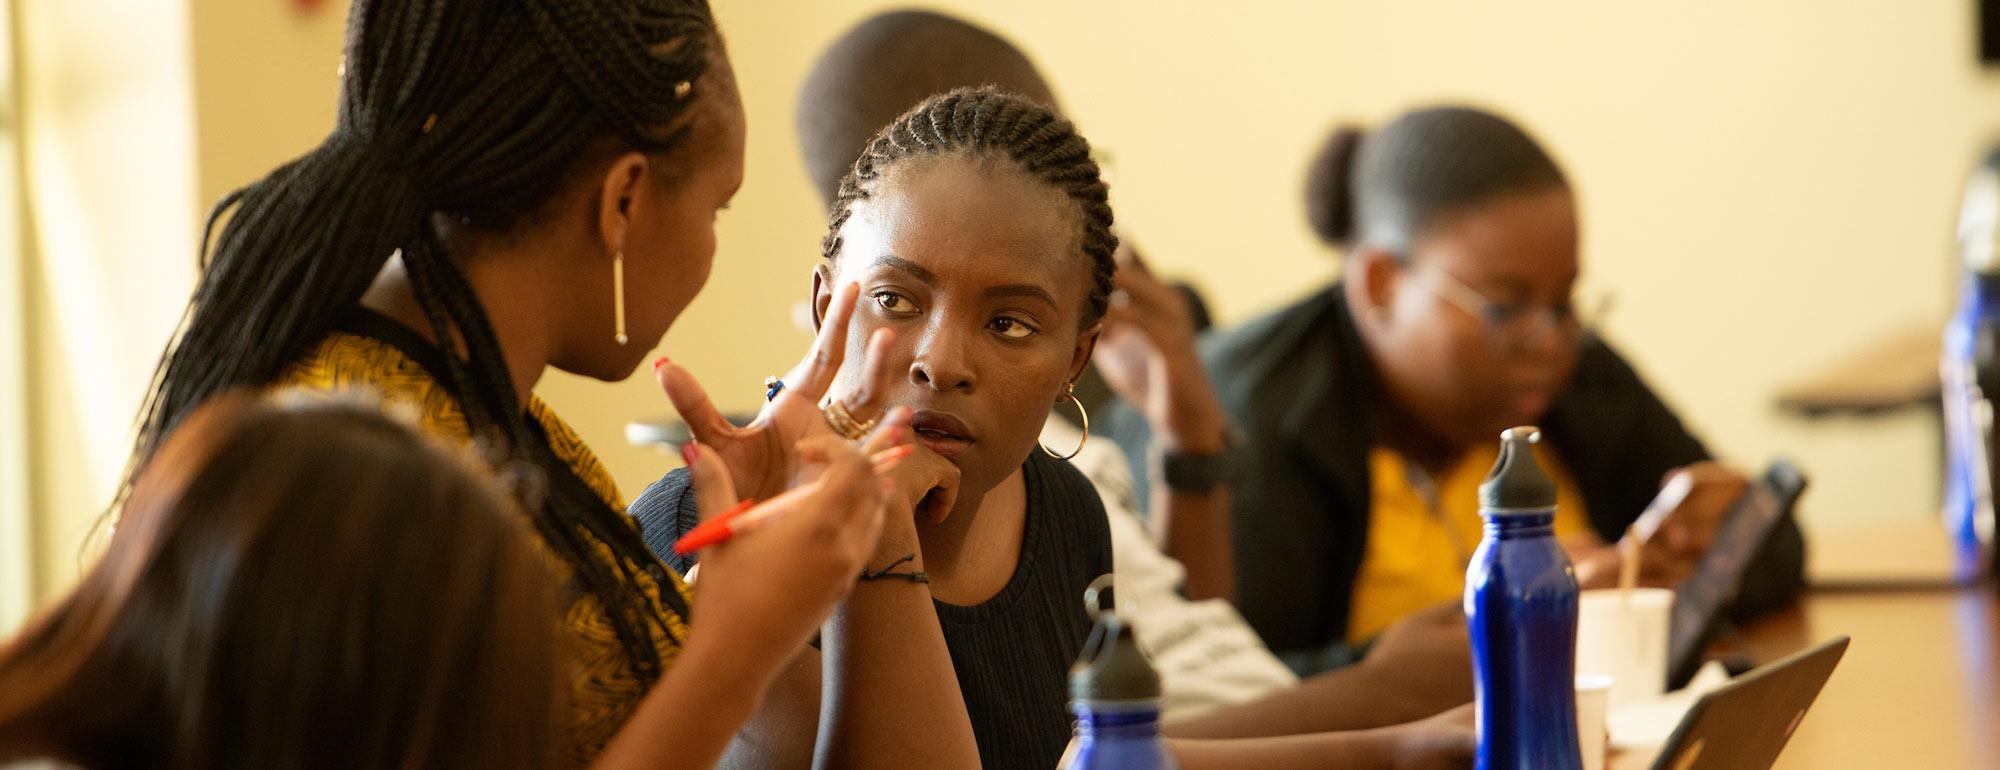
617, 196
1086, 343
1374, 278
822, 293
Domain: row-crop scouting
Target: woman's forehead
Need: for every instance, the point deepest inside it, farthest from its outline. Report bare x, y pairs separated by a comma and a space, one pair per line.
967, 218
1524, 239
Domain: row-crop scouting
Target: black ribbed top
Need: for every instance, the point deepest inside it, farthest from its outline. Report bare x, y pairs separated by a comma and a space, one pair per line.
1012, 652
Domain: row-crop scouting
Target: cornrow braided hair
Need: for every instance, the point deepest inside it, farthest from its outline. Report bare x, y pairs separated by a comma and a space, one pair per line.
987, 122
475, 110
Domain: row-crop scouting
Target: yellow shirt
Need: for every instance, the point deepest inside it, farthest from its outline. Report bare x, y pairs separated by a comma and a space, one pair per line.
1418, 550
604, 686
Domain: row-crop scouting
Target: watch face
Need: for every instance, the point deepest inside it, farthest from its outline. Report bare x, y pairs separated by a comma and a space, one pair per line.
1979, 222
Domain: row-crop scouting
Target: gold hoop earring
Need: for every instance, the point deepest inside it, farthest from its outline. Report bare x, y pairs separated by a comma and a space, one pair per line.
618, 296
1069, 394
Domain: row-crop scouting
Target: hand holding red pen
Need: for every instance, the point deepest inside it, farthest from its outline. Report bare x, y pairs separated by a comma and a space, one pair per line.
764, 594
885, 449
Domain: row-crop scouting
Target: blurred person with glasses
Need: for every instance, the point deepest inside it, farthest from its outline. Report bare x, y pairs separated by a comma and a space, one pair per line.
1368, 413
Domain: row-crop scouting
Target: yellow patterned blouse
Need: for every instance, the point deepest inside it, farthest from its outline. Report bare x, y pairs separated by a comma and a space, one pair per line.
374, 353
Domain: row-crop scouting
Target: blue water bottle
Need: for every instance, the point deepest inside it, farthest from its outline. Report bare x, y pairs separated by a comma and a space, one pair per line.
1520, 607
1970, 375
1116, 696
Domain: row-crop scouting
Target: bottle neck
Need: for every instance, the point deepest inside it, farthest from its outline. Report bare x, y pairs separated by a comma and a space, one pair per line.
1982, 290
1515, 525
1117, 720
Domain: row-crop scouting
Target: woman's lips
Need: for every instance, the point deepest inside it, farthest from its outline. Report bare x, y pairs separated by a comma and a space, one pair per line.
942, 433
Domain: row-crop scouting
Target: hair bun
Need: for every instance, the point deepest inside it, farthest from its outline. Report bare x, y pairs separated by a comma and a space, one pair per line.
1329, 186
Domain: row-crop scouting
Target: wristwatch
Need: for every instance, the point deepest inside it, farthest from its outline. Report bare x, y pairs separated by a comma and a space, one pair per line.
1200, 472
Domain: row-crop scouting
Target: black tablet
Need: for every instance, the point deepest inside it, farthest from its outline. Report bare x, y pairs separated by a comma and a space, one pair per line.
1700, 599
1743, 725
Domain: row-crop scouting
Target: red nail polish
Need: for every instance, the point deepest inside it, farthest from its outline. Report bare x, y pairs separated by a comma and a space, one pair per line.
688, 453
659, 362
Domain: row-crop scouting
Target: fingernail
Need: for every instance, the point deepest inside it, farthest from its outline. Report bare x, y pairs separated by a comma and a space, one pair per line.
898, 452
688, 453
659, 362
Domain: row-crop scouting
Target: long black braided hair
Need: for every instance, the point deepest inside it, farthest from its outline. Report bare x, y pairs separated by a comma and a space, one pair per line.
985, 122
473, 112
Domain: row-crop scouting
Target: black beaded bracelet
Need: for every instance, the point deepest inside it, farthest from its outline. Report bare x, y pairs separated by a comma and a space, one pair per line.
885, 574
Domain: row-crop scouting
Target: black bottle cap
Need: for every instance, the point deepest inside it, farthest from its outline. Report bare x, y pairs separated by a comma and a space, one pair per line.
1111, 667
1517, 483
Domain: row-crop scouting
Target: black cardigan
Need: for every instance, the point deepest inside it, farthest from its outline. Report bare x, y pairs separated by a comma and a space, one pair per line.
1012, 652
1301, 387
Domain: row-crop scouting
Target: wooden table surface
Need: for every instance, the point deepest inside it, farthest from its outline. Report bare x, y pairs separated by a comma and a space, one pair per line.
1918, 688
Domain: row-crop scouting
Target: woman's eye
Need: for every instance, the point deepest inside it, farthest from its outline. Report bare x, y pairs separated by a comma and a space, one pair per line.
1010, 328
893, 302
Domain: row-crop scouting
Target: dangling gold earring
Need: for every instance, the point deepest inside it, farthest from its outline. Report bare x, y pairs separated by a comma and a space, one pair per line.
618, 295
1069, 394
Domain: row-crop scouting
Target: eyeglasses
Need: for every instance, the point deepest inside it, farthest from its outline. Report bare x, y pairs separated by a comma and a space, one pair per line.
1514, 325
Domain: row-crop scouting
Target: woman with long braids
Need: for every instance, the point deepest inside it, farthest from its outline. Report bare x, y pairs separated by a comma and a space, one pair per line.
519, 185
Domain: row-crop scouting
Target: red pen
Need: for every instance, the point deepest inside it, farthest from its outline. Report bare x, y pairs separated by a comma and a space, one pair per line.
716, 530
887, 459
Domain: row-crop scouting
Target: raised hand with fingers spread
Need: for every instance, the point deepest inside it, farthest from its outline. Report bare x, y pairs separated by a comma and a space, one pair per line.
761, 457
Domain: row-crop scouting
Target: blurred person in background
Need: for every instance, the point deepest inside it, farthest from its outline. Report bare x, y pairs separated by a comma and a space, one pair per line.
1370, 411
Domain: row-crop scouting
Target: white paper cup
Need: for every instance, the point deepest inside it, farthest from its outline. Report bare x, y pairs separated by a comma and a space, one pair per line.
1625, 638
1593, 704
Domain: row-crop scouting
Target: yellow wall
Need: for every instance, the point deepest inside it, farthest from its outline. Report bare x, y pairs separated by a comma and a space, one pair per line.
1764, 184
17, 551
108, 158
266, 85
136, 115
